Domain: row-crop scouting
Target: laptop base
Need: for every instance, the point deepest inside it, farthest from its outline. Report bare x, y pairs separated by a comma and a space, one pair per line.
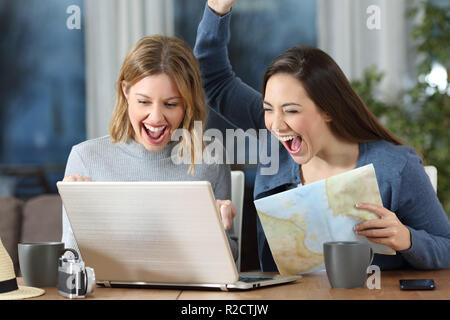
245, 282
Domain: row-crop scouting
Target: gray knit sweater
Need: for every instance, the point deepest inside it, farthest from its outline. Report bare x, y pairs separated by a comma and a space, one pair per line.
102, 160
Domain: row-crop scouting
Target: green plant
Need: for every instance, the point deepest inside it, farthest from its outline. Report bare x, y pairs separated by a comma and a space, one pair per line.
421, 117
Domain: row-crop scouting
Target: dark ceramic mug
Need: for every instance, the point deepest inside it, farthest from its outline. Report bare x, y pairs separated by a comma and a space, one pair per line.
346, 263
39, 263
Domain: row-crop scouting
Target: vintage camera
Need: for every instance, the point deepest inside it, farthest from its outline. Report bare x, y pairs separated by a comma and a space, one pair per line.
74, 279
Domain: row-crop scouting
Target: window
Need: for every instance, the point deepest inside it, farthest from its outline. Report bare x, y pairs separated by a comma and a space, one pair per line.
271, 27
42, 85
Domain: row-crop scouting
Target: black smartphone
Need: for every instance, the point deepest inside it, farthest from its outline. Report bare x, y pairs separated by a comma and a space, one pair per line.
417, 284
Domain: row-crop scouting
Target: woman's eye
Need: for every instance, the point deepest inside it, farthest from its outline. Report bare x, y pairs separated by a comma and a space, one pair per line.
291, 111
142, 101
171, 105
267, 109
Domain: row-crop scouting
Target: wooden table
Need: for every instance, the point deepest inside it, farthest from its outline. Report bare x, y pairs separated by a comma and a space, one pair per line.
313, 286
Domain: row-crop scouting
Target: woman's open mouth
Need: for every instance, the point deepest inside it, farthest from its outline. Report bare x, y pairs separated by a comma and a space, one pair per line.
155, 135
292, 143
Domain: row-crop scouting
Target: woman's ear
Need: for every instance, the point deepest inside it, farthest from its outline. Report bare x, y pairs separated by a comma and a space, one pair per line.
124, 88
326, 117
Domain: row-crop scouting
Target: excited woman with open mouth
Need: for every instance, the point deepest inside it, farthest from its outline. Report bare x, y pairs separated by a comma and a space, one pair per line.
158, 91
326, 129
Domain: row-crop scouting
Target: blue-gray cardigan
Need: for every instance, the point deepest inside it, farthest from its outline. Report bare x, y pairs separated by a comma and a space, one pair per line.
404, 186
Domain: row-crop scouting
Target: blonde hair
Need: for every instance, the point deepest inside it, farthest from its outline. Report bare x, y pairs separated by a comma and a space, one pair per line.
154, 55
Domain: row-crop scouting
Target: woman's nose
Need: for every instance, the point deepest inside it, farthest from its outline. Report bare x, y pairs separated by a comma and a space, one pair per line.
156, 115
278, 124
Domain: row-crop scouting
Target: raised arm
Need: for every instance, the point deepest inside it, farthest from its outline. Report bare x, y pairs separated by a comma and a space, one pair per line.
227, 94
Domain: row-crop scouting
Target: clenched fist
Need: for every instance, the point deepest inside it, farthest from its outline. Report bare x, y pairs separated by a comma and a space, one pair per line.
221, 7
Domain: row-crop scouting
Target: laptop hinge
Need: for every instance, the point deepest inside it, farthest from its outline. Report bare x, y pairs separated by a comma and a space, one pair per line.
223, 287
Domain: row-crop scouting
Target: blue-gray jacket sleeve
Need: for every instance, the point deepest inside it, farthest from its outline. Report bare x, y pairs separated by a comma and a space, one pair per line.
420, 210
226, 93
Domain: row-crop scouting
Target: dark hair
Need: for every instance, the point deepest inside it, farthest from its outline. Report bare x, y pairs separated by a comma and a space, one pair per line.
327, 86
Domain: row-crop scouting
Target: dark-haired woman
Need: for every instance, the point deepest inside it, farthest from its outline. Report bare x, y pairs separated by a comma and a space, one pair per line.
325, 129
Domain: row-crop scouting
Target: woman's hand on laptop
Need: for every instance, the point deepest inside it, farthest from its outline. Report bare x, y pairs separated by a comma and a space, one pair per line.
76, 178
227, 212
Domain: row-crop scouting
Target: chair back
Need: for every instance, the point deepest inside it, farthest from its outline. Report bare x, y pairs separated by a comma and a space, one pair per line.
237, 198
42, 219
432, 174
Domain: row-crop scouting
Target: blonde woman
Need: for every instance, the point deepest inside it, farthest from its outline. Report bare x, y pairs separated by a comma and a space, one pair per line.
159, 90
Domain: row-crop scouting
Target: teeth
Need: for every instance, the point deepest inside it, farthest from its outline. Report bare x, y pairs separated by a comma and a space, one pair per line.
154, 129
287, 138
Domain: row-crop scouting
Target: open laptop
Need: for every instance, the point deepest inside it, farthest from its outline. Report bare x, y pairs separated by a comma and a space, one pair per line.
155, 234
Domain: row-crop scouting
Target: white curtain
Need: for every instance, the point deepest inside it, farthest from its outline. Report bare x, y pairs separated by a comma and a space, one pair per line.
112, 27
347, 31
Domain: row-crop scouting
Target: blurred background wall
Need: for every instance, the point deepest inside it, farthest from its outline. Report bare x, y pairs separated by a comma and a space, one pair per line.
59, 60
43, 93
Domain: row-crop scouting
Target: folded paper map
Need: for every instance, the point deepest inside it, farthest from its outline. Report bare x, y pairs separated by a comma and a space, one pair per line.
297, 222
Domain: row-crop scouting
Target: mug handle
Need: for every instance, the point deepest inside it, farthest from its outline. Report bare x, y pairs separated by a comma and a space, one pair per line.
75, 253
